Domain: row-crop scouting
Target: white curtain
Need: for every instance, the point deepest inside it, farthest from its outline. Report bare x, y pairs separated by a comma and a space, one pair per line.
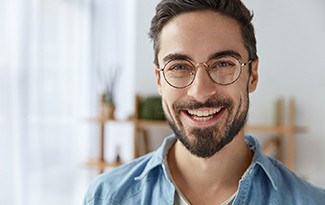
45, 95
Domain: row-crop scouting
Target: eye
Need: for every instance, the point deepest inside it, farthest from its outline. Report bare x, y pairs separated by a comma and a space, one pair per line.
178, 66
222, 64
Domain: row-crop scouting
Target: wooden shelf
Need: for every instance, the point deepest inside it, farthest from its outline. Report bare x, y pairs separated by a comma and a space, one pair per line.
103, 120
101, 165
139, 122
283, 133
148, 123
276, 130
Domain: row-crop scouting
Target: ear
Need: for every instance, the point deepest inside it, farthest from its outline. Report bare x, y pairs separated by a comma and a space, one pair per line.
253, 78
157, 73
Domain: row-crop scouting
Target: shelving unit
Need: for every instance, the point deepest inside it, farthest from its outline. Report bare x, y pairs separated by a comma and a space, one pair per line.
101, 164
283, 133
139, 126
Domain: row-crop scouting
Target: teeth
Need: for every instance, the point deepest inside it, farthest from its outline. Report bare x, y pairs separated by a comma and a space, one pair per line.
202, 119
204, 113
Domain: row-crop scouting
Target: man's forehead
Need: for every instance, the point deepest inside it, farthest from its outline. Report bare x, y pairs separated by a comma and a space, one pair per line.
196, 33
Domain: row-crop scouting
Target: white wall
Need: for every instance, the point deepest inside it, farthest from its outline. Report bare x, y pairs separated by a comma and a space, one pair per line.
291, 44
291, 47
114, 47
145, 78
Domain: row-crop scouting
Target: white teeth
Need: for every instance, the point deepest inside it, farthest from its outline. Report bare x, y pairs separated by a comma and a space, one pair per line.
202, 119
204, 113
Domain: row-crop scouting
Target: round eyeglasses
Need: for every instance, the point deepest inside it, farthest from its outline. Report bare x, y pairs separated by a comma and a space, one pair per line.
223, 70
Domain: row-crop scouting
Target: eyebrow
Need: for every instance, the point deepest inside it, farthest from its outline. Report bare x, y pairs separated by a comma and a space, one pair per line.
178, 56
225, 53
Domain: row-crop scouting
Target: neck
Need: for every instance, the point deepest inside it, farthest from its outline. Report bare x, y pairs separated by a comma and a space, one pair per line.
220, 174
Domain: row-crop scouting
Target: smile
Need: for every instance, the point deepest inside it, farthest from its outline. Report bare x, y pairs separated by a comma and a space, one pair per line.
204, 115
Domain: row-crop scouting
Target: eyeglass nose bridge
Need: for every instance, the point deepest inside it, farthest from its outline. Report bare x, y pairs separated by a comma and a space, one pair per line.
206, 65
203, 63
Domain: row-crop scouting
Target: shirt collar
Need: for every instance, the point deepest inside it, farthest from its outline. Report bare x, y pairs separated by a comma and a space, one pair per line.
160, 155
261, 160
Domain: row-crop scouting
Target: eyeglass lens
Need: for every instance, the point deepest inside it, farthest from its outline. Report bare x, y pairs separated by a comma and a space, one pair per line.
181, 73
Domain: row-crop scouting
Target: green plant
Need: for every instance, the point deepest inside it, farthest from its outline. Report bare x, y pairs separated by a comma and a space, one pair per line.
108, 78
150, 108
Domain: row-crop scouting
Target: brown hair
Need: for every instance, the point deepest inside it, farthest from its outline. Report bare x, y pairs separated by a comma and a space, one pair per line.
235, 9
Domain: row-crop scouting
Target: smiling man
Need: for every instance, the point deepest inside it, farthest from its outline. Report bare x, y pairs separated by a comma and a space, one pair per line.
206, 65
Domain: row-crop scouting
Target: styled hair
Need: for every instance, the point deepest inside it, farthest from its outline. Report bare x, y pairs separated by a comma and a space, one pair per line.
235, 9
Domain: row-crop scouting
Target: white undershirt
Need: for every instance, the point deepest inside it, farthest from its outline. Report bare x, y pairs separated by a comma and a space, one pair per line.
180, 199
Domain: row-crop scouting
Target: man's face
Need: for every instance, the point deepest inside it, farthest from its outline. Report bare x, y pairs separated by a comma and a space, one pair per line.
205, 116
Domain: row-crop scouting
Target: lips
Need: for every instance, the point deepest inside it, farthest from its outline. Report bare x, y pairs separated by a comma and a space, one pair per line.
204, 115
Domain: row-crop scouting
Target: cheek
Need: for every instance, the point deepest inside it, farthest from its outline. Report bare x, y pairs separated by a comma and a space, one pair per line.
241, 86
170, 96
243, 99
238, 93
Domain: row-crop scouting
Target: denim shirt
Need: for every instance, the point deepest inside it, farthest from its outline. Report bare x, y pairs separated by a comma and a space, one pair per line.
144, 181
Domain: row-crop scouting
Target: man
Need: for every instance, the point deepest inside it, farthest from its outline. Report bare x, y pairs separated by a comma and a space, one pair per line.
206, 66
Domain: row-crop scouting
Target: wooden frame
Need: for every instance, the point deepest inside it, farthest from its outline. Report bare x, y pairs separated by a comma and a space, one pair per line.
283, 143
284, 131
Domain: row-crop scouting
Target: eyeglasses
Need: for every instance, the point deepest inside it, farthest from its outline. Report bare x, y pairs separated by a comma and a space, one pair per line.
223, 70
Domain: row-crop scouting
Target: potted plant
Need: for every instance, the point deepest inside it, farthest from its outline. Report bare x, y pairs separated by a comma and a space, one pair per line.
109, 77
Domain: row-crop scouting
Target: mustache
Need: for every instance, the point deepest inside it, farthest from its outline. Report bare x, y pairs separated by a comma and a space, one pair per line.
210, 103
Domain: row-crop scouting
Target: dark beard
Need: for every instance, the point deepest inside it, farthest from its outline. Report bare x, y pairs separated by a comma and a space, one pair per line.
208, 141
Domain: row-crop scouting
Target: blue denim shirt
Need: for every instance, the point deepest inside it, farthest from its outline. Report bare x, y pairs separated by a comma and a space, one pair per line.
144, 181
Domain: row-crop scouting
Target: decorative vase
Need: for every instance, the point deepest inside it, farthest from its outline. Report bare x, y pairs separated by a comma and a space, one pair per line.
107, 109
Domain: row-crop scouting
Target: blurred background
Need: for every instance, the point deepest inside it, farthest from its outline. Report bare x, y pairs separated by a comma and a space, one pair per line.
61, 61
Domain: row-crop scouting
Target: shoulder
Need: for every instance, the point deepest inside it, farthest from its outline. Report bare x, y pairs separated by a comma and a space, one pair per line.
277, 183
292, 187
110, 186
131, 183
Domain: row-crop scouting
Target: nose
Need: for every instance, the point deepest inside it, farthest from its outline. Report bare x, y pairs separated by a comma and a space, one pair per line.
203, 87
